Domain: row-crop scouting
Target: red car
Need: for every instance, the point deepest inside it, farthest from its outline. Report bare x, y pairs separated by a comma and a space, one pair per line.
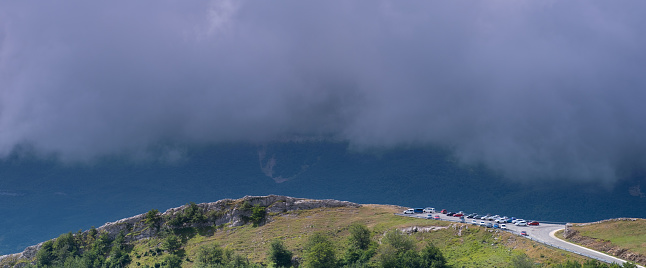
458, 215
523, 233
444, 211
535, 223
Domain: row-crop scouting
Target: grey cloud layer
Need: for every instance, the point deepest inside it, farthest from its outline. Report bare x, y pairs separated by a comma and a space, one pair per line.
549, 89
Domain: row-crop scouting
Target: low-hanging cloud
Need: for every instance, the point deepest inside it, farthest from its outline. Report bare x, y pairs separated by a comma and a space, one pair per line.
549, 89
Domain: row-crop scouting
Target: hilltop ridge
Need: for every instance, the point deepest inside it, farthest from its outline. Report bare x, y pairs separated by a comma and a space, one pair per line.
232, 212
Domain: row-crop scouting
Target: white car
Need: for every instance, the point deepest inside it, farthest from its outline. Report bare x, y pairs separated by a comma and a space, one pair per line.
482, 223
429, 210
503, 226
501, 220
521, 223
474, 222
409, 211
429, 217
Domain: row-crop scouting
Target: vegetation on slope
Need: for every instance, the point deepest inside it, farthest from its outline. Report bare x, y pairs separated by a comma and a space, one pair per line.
624, 238
365, 236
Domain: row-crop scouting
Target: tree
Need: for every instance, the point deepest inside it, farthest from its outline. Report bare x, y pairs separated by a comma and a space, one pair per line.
432, 257
319, 252
207, 255
45, 256
279, 255
172, 261
359, 236
172, 243
152, 218
65, 246
360, 247
522, 261
399, 241
257, 215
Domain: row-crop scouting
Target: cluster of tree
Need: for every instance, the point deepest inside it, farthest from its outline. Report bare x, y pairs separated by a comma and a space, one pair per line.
214, 256
397, 250
89, 249
191, 214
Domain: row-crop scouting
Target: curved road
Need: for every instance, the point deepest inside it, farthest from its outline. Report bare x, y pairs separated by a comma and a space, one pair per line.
544, 233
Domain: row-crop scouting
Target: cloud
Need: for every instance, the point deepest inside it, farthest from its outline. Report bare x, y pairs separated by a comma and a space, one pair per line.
546, 89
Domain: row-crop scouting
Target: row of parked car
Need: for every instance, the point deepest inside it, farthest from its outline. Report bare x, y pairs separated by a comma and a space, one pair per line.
500, 221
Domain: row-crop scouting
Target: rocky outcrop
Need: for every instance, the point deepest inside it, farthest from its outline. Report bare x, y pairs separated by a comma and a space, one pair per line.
230, 212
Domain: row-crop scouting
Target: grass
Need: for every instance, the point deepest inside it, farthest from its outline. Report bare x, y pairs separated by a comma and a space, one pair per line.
462, 245
630, 235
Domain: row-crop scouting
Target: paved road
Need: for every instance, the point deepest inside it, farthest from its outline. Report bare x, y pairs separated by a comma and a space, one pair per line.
544, 233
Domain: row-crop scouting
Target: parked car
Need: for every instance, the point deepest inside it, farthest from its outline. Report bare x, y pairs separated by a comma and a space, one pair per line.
482, 223
521, 223
409, 211
450, 214
443, 211
474, 222
523, 233
429, 217
535, 223
503, 226
429, 210
496, 225
489, 225
437, 217
419, 210
458, 215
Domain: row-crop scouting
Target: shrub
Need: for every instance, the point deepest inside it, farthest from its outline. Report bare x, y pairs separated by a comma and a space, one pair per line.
258, 215
279, 255
320, 252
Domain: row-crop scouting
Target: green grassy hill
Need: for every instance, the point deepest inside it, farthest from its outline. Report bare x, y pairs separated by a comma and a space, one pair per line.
184, 237
624, 238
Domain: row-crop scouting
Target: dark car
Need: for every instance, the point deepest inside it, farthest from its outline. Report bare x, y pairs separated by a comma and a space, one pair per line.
535, 223
450, 214
443, 211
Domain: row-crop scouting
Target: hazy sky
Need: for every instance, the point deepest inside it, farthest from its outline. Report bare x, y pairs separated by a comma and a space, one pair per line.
548, 89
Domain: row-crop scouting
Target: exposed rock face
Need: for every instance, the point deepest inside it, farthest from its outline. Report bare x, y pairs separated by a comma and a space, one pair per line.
569, 232
227, 211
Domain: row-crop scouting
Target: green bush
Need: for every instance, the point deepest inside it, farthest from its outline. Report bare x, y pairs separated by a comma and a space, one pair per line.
258, 215
279, 255
319, 252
